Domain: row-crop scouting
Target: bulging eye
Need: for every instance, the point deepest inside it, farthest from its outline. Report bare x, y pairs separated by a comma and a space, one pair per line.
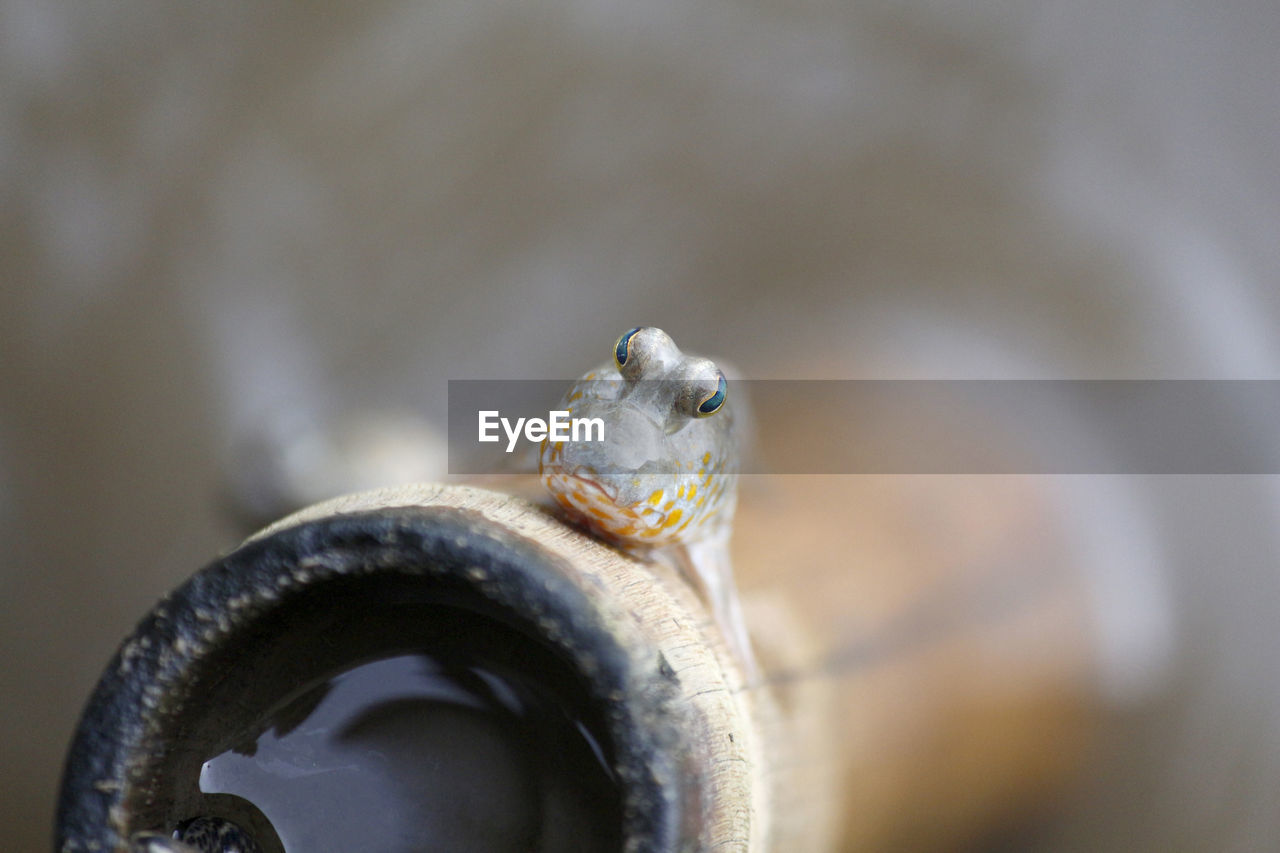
715, 402
620, 349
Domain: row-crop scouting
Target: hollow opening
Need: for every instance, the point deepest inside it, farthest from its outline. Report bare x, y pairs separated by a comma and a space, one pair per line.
391, 712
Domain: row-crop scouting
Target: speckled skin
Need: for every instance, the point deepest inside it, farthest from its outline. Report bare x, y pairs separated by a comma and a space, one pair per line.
663, 482
680, 489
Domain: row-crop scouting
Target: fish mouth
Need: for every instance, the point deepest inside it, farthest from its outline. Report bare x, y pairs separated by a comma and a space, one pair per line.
584, 477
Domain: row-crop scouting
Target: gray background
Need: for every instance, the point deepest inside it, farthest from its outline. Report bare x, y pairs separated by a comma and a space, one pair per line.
222, 216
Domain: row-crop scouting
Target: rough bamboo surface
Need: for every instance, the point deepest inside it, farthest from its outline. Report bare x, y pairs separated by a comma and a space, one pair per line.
733, 727
925, 644
917, 688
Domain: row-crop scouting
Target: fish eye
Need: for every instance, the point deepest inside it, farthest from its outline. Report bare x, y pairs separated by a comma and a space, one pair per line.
620, 352
715, 402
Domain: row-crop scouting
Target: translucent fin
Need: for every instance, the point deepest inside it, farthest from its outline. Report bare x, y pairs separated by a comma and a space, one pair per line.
706, 565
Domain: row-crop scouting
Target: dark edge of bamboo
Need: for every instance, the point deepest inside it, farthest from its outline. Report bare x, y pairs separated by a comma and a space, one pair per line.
680, 734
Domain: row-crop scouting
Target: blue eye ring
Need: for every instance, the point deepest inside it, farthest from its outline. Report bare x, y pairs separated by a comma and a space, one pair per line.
620, 353
715, 402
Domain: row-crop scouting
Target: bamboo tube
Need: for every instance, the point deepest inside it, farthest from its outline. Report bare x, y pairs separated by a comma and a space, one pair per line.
928, 643
907, 699
679, 730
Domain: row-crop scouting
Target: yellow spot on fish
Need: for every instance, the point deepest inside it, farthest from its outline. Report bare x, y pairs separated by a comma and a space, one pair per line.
672, 519
706, 458
656, 497
693, 490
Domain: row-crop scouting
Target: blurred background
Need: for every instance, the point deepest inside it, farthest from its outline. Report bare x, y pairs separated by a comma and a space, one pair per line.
220, 222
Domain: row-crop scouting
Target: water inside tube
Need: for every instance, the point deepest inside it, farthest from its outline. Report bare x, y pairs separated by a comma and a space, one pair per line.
407, 753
